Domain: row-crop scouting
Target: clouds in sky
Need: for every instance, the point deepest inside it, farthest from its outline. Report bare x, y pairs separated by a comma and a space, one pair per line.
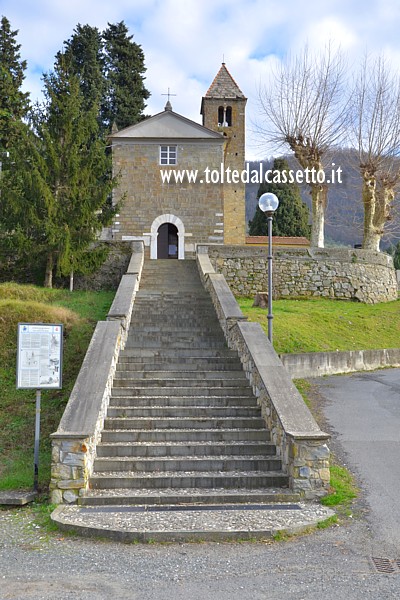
184, 41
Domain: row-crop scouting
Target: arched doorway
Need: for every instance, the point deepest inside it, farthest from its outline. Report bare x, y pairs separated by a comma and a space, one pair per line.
167, 241
171, 235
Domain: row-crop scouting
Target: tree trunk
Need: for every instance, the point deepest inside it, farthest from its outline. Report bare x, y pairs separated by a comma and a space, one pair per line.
261, 300
319, 192
48, 279
371, 240
71, 281
318, 201
377, 206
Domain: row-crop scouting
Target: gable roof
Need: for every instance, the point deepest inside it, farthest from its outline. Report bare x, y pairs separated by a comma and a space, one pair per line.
166, 125
224, 86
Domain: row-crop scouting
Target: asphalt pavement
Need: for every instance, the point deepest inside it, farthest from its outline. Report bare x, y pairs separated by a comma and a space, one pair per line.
363, 412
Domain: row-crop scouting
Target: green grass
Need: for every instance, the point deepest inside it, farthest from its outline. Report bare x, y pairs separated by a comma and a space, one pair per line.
79, 313
319, 325
343, 487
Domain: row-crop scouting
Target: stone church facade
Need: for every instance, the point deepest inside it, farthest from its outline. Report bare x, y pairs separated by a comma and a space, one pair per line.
173, 217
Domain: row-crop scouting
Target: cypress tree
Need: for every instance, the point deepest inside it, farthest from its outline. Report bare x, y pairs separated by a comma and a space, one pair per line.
14, 103
58, 199
124, 68
292, 215
84, 50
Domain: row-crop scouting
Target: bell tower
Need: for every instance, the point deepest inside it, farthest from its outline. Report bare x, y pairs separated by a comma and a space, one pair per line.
223, 110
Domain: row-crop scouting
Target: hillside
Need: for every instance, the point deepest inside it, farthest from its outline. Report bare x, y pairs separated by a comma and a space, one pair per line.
79, 313
344, 217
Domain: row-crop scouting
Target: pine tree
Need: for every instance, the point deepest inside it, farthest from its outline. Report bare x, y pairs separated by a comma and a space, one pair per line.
292, 215
124, 67
13, 102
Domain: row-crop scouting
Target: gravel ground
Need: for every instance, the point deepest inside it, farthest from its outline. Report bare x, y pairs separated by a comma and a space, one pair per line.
329, 564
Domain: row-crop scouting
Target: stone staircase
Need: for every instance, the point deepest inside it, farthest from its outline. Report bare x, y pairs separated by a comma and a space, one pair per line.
183, 426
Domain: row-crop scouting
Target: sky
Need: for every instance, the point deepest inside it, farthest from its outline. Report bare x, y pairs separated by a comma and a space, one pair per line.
185, 41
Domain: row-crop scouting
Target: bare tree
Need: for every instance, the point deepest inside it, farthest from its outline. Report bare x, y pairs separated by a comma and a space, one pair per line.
304, 109
376, 135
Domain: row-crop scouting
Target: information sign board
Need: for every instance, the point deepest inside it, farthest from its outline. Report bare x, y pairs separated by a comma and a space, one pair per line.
39, 357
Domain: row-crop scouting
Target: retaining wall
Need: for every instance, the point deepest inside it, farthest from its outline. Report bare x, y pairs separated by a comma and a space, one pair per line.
300, 443
342, 273
74, 443
315, 364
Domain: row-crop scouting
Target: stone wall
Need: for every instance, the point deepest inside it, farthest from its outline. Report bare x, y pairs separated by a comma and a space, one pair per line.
317, 364
234, 158
144, 197
300, 443
341, 273
74, 443
108, 275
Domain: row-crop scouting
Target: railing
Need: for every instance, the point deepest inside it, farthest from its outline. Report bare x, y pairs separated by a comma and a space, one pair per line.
75, 441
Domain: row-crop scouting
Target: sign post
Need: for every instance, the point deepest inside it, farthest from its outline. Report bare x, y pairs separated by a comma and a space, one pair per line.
39, 366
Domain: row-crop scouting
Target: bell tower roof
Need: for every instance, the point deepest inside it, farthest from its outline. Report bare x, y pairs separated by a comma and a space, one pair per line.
224, 86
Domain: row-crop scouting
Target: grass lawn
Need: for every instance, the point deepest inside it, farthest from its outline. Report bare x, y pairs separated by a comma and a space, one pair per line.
319, 325
79, 313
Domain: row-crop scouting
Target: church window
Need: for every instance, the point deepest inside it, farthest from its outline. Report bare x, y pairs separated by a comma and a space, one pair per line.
225, 116
168, 155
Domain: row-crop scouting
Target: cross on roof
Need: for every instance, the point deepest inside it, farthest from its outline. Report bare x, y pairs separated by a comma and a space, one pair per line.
169, 94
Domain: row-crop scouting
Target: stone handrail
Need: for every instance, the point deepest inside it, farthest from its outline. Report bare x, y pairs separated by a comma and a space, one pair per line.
74, 443
300, 443
121, 308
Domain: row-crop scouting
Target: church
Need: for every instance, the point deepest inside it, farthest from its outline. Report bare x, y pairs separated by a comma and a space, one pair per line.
173, 216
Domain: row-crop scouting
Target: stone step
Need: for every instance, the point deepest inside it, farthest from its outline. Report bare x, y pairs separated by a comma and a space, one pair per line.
186, 411
181, 479
184, 449
204, 436
182, 401
194, 299
183, 424
147, 423
164, 322
191, 375
185, 464
203, 308
181, 391
165, 342
218, 496
198, 365
182, 340
187, 354
195, 381
191, 306
165, 327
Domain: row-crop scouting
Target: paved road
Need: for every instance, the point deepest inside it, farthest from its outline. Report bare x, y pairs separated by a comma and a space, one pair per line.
336, 563
363, 410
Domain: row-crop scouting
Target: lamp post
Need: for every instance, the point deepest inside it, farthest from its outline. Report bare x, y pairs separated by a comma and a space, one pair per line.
268, 203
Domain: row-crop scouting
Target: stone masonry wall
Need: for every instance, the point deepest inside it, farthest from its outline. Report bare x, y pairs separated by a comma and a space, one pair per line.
144, 196
234, 158
300, 443
341, 273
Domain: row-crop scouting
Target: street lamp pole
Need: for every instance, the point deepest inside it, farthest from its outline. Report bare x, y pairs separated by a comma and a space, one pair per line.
268, 203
